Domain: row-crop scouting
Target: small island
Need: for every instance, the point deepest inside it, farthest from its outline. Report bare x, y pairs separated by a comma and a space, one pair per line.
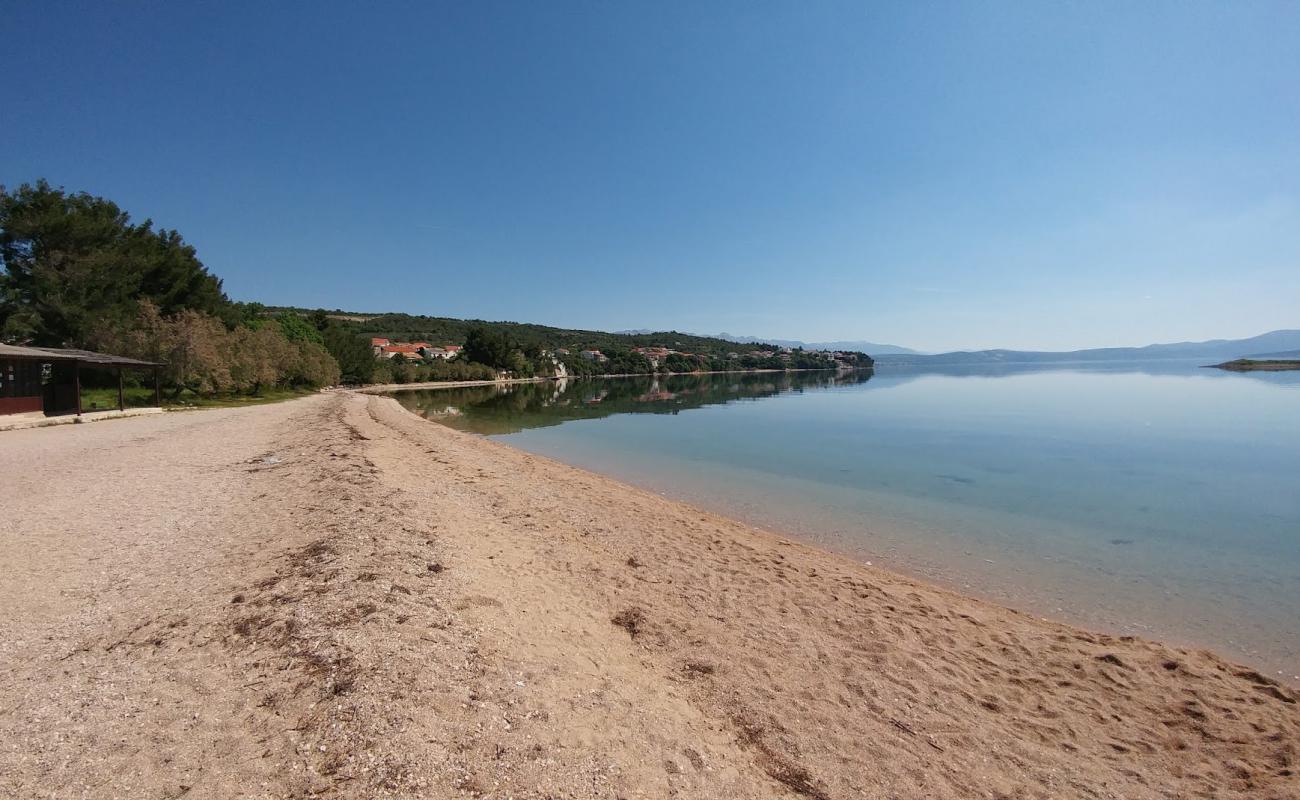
1259, 365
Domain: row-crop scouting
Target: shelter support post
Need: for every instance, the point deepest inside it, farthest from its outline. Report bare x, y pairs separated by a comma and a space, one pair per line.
76, 381
157, 388
121, 391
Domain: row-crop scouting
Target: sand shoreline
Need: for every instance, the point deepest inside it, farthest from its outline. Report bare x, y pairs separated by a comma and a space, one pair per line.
1032, 586
331, 596
1053, 587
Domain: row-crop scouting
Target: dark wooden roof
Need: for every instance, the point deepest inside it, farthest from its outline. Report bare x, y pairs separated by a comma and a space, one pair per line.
62, 354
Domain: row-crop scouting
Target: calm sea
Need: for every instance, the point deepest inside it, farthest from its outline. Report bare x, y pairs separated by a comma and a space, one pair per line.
1159, 499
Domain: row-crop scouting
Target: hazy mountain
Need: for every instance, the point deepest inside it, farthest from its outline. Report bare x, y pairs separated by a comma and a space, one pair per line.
1213, 351
870, 348
1284, 355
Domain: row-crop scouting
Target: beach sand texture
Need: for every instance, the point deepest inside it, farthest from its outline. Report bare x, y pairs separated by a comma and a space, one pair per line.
331, 597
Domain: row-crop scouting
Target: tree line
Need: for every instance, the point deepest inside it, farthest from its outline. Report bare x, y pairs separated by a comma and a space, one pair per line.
529, 336
77, 272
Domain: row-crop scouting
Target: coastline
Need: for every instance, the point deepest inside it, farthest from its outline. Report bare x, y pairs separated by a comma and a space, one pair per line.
1022, 558
1062, 589
387, 388
360, 603
1258, 365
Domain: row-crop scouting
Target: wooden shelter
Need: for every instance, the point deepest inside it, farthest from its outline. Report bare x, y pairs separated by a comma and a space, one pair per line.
48, 380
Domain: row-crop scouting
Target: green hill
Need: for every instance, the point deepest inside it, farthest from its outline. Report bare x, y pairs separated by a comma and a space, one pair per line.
719, 353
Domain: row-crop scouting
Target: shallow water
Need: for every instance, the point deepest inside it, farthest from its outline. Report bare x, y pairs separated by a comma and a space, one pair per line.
1157, 499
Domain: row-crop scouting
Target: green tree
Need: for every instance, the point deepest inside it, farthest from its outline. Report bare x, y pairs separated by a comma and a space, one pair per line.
251, 314
676, 362
258, 358
191, 344
314, 366
297, 329
357, 362
490, 346
75, 266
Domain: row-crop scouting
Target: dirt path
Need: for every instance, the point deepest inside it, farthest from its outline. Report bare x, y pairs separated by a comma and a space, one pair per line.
332, 597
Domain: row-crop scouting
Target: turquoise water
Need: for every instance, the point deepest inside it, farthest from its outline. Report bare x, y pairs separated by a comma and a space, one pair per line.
1161, 500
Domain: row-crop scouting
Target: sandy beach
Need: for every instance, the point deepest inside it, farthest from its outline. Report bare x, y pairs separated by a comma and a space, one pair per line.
332, 597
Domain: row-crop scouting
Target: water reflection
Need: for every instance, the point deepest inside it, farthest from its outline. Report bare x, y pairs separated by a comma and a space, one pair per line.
510, 408
1152, 498
901, 373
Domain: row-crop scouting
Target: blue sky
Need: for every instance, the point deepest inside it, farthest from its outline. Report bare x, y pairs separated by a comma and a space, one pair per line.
938, 175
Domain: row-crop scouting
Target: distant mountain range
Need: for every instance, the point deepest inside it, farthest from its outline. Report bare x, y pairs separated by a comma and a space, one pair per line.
1275, 344
1285, 354
870, 348
1213, 351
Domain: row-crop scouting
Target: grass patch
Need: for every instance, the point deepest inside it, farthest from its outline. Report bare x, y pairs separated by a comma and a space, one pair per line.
102, 399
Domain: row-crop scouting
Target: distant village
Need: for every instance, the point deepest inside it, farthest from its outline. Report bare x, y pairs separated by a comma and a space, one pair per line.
413, 351
657, 356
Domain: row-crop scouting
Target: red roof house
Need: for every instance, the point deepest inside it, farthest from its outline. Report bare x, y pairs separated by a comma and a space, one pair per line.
404, 350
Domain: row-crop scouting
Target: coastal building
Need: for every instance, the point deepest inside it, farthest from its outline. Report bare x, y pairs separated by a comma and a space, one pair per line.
46, 381
402, 350
655, 355
445, 352
593, 355
414, 351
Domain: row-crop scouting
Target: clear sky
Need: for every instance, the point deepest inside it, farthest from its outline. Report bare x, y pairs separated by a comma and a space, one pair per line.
939, 175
